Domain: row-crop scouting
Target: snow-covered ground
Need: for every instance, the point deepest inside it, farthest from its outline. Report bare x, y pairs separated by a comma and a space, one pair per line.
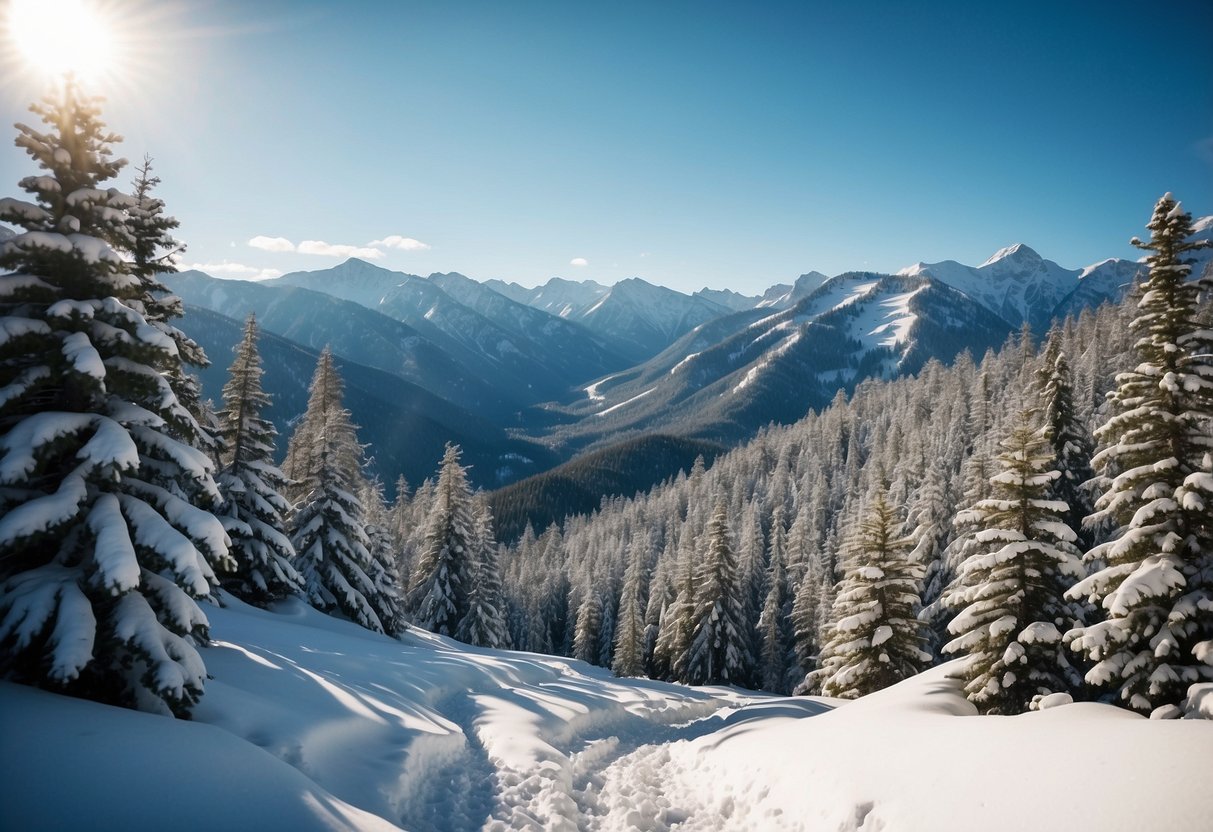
313, 723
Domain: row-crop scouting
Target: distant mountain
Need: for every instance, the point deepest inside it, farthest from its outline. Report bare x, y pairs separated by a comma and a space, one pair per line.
728, 299
781, 295
729, 377
314, 319
405, 425
538, 355
1015, 283
560, 297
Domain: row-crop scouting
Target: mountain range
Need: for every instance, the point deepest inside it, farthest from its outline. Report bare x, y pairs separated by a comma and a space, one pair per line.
526, 378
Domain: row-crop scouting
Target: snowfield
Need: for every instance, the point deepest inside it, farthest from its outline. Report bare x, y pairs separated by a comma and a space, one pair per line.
314, 723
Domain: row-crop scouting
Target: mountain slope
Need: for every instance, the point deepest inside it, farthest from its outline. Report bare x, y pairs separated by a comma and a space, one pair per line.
314, 319
405, 425
537, 354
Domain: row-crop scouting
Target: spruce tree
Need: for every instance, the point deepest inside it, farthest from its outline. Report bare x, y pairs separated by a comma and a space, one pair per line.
589, 626
876, 639
328, 524
1156, 580
629, 629
774, 624
442, 578
484, 624
386, 600
1072, 445
106, 536
253, 510
1011, 610
720, 647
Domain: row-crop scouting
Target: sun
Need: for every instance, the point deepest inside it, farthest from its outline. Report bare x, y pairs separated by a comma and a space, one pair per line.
57, 38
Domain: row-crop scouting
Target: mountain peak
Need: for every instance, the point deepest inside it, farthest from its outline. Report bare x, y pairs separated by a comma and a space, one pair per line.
1017, 253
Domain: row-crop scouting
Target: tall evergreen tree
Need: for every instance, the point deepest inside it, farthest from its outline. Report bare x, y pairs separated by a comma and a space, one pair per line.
774, 623
589, 626
386, 600
630, 630
442, 577
101, 561
484, 624
328, 524
1156, 585
720, 647
1010, 599
253, 510
1072, 445
876, 639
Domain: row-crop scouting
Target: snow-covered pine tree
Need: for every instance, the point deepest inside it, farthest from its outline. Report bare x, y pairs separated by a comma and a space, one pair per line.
876, 639
774, 624
1157, 586
484, 624
100, 564
671, 655
1009, 597
253, 510
387, 599
328, 524
442, 576
629, 627
1072, 445
589, 626
720, 647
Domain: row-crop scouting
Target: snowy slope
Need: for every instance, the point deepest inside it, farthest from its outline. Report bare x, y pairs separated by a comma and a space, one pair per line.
313, 723
565, 298
1015, 283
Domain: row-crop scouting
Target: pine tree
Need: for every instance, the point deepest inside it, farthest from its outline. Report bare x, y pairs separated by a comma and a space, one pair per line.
630, 629
386, 600
589, 626
774, 622
1157, 585
443, 574
101, 563
484, 624
673, 649
1072, 445
253, 508
1010, 595
328, 524
719, 649
876, 639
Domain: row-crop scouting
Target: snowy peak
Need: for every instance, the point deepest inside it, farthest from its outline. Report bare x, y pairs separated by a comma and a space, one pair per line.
1018, 256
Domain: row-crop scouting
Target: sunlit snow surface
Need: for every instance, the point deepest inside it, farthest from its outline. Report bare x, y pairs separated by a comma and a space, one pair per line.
312, 723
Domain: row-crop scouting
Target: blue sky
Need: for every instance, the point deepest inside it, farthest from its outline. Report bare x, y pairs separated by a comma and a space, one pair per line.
732, 145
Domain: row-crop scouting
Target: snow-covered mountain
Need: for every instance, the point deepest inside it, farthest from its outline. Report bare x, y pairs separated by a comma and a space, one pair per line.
540, 355
781, 295
729, 376
1015, 283
728, 298
564, 298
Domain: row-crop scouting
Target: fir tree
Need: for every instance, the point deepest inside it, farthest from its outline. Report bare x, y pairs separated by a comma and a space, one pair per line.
484, 624
719, 649
442, 577
1011, 609
253, 508
773, 624
630, 630
1072, 446
386, 600
876, 639
101, 562
589, 626
1156, 587
328, 524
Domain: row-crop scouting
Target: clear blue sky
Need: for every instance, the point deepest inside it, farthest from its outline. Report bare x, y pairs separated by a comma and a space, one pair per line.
721, 144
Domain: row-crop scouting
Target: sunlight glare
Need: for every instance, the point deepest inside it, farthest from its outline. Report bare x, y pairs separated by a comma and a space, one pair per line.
55, 38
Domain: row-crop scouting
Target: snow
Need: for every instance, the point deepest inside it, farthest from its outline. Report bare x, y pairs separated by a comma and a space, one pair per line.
615, 407
314, 723
592, 390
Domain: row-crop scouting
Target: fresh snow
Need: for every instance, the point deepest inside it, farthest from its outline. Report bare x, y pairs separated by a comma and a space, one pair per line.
314, 723
625, 403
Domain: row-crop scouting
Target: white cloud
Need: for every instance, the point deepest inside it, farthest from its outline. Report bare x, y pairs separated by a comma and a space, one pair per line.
232, 271
272, 243
403, 243
337, 250
579, 261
